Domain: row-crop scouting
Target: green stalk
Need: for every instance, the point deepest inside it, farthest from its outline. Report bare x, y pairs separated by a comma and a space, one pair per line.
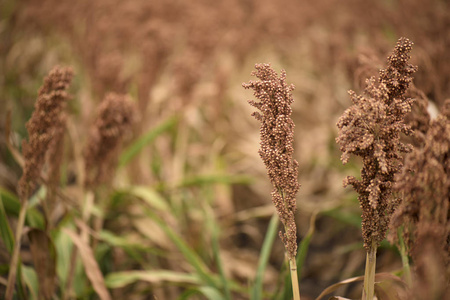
405, 259
369, 276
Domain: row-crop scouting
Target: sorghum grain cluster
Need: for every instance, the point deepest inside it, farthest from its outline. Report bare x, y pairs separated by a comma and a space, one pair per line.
277, 138
371, 129
115, 116
45, 127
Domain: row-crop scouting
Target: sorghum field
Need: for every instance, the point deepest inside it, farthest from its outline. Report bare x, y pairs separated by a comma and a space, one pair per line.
227, 149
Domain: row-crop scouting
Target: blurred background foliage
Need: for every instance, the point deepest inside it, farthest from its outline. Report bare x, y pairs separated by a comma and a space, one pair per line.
188, 211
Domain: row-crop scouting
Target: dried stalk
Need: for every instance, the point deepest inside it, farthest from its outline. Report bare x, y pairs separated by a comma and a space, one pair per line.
294, 279
371, 129
47, 122
369, 275
277, 138
15, 256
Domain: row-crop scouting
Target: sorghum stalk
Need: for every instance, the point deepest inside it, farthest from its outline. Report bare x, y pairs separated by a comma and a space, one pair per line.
277, 138
115, 117
405, 258
16, 251
45, 123
371, 129
369, 275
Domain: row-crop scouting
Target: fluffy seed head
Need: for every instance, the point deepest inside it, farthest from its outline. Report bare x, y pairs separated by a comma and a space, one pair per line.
371, 129
115, 116
425, 186
45, 126
277, 138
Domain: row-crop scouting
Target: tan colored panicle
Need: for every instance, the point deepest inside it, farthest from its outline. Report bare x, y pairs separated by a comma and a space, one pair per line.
277, 138
425, 186
371, 129
115, 116
45, 126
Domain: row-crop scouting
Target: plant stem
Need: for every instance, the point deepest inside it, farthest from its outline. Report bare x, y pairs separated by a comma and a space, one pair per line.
369, 276
405, 260
294, 279
15, 255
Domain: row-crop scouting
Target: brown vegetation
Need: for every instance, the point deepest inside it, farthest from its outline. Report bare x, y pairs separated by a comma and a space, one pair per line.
183, 209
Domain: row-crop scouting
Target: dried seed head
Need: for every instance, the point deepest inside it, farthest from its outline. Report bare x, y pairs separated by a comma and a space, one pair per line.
425, 186
431, 262
45, 126
277, 138
115, 117
371, 128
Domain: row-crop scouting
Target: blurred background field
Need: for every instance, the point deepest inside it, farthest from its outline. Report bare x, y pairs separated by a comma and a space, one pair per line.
189, 204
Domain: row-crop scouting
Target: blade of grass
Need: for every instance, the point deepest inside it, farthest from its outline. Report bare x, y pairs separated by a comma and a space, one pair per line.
187, 294
121, 279
132, 249
304, 245
131, 151
64, 247
211, 293
216, 249
5, 231
150, 196
348, 217
208, 292
189, 254
212, 179
119, 241
12, 206
22, 291
31, 280
264, 257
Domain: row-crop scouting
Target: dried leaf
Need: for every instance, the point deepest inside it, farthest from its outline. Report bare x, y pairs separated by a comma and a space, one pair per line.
335, 286
14, 152
90, 265
378, 278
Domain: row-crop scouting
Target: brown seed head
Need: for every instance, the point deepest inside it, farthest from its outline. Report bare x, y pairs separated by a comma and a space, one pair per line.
425, 186
371, 129
277, 138
45, 126
115, 116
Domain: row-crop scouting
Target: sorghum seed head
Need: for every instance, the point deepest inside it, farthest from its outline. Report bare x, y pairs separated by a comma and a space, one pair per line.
277, 138
371, 129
